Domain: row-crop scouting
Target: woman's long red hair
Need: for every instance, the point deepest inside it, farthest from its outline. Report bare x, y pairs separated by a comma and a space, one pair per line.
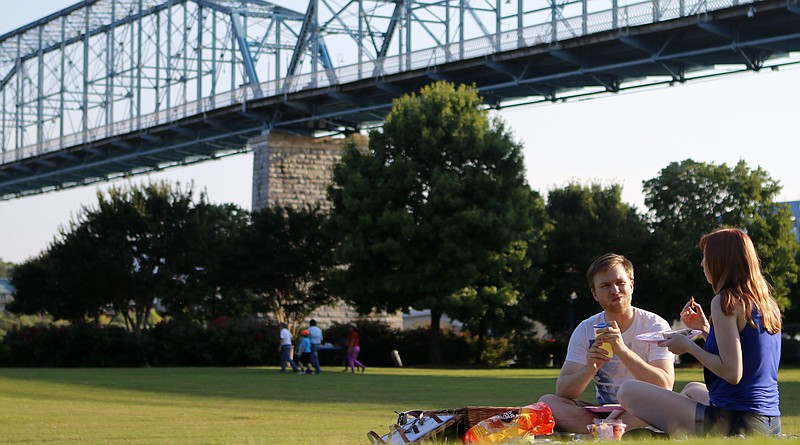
735, 272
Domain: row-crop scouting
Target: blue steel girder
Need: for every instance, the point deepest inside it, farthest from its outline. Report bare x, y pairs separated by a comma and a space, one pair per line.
247, 58
105, 61
107, 88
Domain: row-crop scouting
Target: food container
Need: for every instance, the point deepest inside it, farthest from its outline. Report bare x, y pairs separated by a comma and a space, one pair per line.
606, 346
607, 430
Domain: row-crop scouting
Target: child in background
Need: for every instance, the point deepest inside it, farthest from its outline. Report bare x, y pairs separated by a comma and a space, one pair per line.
304, 351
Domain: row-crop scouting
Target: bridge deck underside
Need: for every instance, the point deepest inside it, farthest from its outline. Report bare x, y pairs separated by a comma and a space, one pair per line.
663, 52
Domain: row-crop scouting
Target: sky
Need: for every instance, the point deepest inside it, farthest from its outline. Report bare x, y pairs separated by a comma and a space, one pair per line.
625, 139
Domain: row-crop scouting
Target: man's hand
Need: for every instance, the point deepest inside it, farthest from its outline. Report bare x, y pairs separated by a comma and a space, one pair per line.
596, 357
611, 335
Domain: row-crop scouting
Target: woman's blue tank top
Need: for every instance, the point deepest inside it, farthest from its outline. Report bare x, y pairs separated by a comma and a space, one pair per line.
757, 392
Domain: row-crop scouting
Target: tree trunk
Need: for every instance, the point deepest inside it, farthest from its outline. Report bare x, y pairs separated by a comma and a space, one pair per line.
481, 340
436, 351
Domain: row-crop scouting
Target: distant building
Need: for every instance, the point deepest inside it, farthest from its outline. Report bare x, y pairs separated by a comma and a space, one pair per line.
422, 319
341, 313
6, 290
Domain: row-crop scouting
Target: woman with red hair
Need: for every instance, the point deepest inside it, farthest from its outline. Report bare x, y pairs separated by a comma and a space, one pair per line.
741, 356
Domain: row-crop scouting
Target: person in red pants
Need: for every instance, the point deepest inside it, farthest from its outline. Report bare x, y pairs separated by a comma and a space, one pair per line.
353, 349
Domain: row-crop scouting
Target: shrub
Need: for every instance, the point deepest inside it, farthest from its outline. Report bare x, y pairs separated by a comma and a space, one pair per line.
250, 342
179, 343
535, 352
243, 342
169, 343
76, 345
224, 342
497, 352
414, 347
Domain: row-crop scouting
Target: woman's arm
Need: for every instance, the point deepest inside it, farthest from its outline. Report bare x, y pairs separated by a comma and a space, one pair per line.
728, 364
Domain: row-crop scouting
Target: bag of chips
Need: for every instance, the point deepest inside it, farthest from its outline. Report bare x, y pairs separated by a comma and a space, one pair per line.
530, 420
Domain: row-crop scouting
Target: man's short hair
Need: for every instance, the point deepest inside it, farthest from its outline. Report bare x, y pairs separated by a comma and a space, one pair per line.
313, 322
608, 262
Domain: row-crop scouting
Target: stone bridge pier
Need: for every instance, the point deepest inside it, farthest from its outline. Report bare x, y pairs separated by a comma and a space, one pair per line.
293, 170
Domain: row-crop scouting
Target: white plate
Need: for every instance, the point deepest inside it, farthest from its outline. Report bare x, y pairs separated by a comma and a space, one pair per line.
655, 337
604, 408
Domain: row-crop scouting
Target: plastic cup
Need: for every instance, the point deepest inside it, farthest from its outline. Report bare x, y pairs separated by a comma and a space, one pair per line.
606, 346
607, 430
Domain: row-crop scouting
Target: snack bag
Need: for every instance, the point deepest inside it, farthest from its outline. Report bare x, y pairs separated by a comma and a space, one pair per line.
530, 420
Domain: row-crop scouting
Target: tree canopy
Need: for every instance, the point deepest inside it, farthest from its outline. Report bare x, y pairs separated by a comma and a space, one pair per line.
208, 280
5, 268
136, 247
689, 199
283, 257
422, 213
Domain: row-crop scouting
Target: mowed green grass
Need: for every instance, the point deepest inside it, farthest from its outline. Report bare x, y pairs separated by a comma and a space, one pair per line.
261, 405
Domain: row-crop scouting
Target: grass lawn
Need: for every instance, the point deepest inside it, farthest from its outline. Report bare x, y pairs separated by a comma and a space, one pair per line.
262, 406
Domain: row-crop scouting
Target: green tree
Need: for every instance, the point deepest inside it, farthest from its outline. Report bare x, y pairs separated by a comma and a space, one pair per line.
588, 221
500, 299
284, 258
492, 301
68, 280
144, 226
5, 269
420, 214
210, 284
689, 199
139, 245
33, 287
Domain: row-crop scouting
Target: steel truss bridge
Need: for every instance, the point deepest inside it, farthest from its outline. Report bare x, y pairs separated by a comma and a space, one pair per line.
110, 88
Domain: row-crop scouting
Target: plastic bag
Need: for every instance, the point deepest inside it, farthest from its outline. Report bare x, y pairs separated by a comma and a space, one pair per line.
530, 420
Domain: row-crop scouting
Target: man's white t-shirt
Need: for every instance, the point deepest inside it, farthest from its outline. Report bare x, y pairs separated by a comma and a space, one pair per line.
286, 337
611, 375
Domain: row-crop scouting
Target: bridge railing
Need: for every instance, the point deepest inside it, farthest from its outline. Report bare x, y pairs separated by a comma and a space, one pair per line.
631, 14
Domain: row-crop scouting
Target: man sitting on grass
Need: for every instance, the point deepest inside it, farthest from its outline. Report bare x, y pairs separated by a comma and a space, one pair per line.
611, 282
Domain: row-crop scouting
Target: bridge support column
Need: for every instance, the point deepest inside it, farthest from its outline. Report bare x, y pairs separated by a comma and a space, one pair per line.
293, 170
260, 147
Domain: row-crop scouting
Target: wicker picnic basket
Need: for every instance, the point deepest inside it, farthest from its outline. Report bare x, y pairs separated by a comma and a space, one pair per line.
474, 414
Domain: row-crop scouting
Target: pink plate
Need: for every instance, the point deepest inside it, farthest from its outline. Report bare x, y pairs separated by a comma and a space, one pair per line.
604, 408
655, 337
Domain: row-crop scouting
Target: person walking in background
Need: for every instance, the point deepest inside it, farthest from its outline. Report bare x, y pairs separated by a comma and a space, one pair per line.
304, 352
315, 336
741, 356
342, 343
353, 349
610, 279
286, 348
